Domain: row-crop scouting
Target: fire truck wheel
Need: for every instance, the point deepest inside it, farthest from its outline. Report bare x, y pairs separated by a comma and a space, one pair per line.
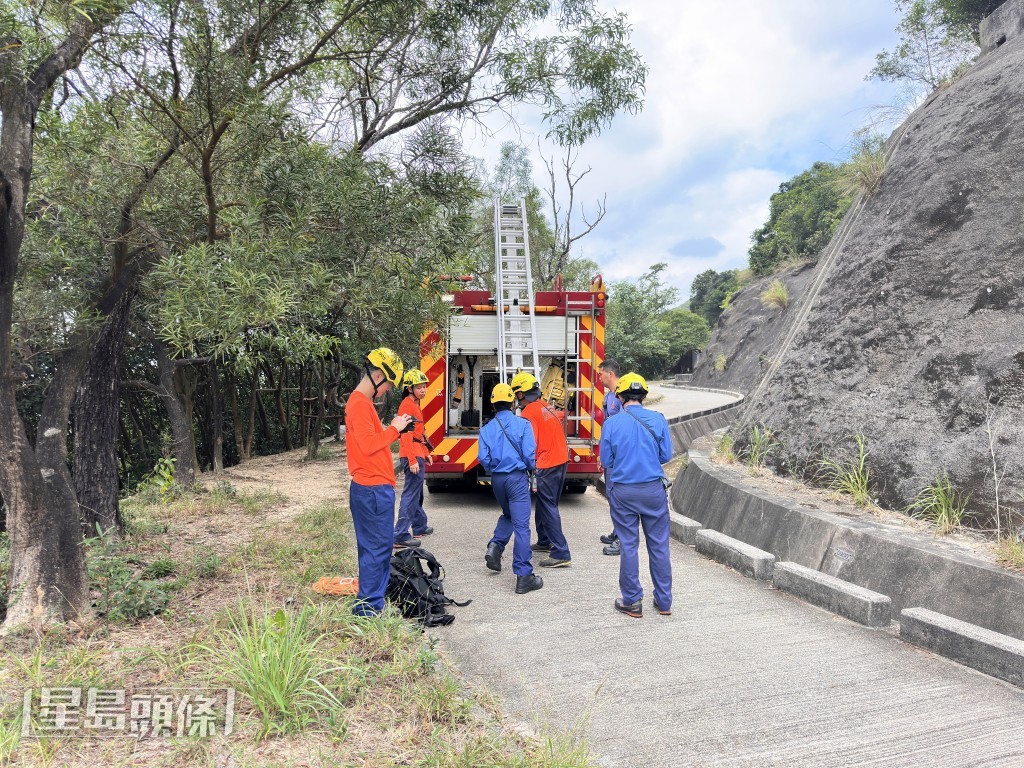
436, 486
576, 487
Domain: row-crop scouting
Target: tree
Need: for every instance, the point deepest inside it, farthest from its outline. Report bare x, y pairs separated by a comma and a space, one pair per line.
802, 216
934, 47
684, 331
967, 14
635, 336
47, 570
709, 291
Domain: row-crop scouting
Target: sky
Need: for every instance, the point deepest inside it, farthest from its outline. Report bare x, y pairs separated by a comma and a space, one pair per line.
740, 97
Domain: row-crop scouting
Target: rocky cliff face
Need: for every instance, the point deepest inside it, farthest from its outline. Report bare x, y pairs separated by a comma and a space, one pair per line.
916, 338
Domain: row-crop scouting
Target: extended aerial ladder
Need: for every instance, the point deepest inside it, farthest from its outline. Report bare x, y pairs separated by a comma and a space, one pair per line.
517, 325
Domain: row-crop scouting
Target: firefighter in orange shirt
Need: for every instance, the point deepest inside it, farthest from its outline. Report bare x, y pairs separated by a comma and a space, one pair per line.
372, 490
414, 454
552, 462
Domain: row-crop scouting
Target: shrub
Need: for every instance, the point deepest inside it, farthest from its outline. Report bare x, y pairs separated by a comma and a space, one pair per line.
940, 504
720, 362
123, 596
777, 295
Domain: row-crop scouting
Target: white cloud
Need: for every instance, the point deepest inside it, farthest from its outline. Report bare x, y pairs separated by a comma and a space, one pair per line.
740, 97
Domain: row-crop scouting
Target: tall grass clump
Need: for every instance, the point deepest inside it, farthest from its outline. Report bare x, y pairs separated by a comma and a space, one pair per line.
864, 171
762, 443
724, 449
277, 660
777, 295
939, 504
850, 477
720, 363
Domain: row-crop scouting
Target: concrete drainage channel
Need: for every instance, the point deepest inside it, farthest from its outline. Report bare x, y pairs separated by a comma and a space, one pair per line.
988, 651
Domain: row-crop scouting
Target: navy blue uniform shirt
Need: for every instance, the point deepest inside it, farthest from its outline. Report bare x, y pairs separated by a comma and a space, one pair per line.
631, 454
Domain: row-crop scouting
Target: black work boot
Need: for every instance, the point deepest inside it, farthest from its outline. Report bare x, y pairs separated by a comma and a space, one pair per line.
493, 556
528, 583
614, 549
609, 538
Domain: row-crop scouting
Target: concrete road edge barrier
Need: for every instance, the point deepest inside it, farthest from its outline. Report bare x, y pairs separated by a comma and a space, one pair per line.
750, 561
982, 649
833, 594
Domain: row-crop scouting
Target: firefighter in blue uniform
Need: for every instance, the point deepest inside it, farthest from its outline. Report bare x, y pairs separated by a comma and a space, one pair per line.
608, 371
634, 445
508, 451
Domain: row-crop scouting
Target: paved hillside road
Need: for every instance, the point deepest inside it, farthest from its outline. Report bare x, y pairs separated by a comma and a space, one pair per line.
681, 402
739, 675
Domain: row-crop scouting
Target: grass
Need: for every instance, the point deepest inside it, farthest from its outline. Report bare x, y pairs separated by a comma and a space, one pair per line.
850, 477
720, 363
777, 295
762, 443
940, 504
1010, 552
316, 686
276, 659
724, 448
865, 169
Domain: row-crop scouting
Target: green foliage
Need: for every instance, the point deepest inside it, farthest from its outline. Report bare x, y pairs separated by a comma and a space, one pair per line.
851, 476
802, 216
937, 41
123, 595
777, 295
966, 14
941, 504
1010, 552
276, 659
864, 170
683, 330
634, 335
160, 484
710, 290
720, 363
160, 568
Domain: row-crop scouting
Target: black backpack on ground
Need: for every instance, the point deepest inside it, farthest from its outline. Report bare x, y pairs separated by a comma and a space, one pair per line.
416, 590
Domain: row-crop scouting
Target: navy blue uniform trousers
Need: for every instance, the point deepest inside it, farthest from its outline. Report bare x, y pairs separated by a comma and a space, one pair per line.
512, 490
410, 507
373, 515
550, 482
636, 505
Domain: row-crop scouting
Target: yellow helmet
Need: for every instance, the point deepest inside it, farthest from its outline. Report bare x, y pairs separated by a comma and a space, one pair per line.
523, 382
502, 393
632, 383
413, 377
388, 362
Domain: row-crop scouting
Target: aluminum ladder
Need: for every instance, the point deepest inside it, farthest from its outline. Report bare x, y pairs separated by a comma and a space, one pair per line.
517, 331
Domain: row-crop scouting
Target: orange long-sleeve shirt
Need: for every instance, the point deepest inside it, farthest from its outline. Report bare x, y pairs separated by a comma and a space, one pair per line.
552, 449
411, 445
367, 443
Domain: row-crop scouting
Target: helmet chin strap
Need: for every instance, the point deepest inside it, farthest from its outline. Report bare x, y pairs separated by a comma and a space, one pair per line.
369, 372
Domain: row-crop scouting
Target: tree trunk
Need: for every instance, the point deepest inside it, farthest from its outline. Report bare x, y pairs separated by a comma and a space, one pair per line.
183, 446
97, 413
231, 381
316, 427
217, 407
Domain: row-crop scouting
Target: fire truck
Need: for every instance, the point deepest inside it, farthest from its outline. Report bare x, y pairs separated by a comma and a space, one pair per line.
557, 335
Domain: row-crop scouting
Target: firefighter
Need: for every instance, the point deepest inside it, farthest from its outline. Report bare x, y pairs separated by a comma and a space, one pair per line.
372, 490
634, 445
608, 370
552, 462
414, 455
508, 451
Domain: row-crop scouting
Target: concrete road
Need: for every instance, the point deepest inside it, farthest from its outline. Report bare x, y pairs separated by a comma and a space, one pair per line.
740, 674
681, 402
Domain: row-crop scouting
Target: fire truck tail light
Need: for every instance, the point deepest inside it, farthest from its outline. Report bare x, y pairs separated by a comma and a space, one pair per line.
576, 458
